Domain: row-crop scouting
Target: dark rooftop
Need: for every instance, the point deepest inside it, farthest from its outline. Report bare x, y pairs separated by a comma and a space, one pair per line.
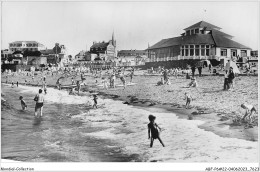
100, 45
203, 24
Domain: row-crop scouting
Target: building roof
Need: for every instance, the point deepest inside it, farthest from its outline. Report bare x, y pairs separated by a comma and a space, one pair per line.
100, 45
197, 39
202, 24
216, 37
33, 42
166, 43
222, 41
182, 40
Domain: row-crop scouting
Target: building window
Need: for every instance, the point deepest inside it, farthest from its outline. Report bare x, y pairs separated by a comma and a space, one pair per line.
188, 32
234, 53
192, 32
191, 50
186, 52
223, 52
197, 31
243, 53
202, 50
197, 50
207, 50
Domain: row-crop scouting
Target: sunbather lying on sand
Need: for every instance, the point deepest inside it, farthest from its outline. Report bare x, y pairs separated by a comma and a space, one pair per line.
193, 83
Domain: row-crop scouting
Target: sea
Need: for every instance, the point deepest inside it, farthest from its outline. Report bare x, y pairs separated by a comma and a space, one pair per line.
72, 131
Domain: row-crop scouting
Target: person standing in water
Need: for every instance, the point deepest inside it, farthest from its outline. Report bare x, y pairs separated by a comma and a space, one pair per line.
39, 98
23, 104
153, 129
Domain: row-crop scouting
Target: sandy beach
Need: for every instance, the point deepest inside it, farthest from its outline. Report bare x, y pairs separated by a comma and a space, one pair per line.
211, 103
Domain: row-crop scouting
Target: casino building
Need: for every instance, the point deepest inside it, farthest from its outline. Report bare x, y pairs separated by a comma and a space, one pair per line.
199, 41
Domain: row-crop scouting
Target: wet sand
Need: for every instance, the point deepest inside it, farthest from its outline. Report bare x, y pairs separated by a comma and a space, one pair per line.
211, 104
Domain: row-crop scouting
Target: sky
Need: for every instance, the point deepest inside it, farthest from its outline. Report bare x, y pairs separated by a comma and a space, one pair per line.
135, 24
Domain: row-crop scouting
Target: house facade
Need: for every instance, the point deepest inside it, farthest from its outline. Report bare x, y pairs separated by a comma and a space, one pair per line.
83, 56
104, 50
132, 57
58, 54
199, 41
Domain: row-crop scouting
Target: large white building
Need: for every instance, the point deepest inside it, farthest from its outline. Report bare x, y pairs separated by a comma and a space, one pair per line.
26, 45
199, 41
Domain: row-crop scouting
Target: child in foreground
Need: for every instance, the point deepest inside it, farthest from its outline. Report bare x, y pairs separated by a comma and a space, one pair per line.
23, 104
153, 129
188, 99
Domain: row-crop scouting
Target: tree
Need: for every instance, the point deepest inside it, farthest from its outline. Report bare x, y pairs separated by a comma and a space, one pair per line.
32, 53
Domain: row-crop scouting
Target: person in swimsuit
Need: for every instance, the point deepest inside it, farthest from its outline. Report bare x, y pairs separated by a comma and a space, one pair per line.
250, 110
23, 104
78, 86
95, 101
153, 130
39, 98
188, 100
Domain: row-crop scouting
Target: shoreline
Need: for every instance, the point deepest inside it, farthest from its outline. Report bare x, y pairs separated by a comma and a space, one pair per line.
214, 120
211, 121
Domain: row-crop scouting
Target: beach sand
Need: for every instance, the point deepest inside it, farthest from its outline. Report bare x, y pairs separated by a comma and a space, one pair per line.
210, 104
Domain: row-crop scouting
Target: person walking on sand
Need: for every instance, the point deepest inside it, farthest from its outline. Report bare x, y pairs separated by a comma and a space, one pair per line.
78, 86
104, 81
227, 66
44, 87
39, 98
153, 132
188, 99
95, 101
200, 70
210, 67
123, 81
193, 68
113, 80
250, 110
231, 77
17, 83
131, 75
226, 81
23, 104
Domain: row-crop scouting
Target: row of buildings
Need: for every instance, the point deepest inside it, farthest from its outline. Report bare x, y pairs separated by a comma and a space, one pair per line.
198, 41
33, 53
